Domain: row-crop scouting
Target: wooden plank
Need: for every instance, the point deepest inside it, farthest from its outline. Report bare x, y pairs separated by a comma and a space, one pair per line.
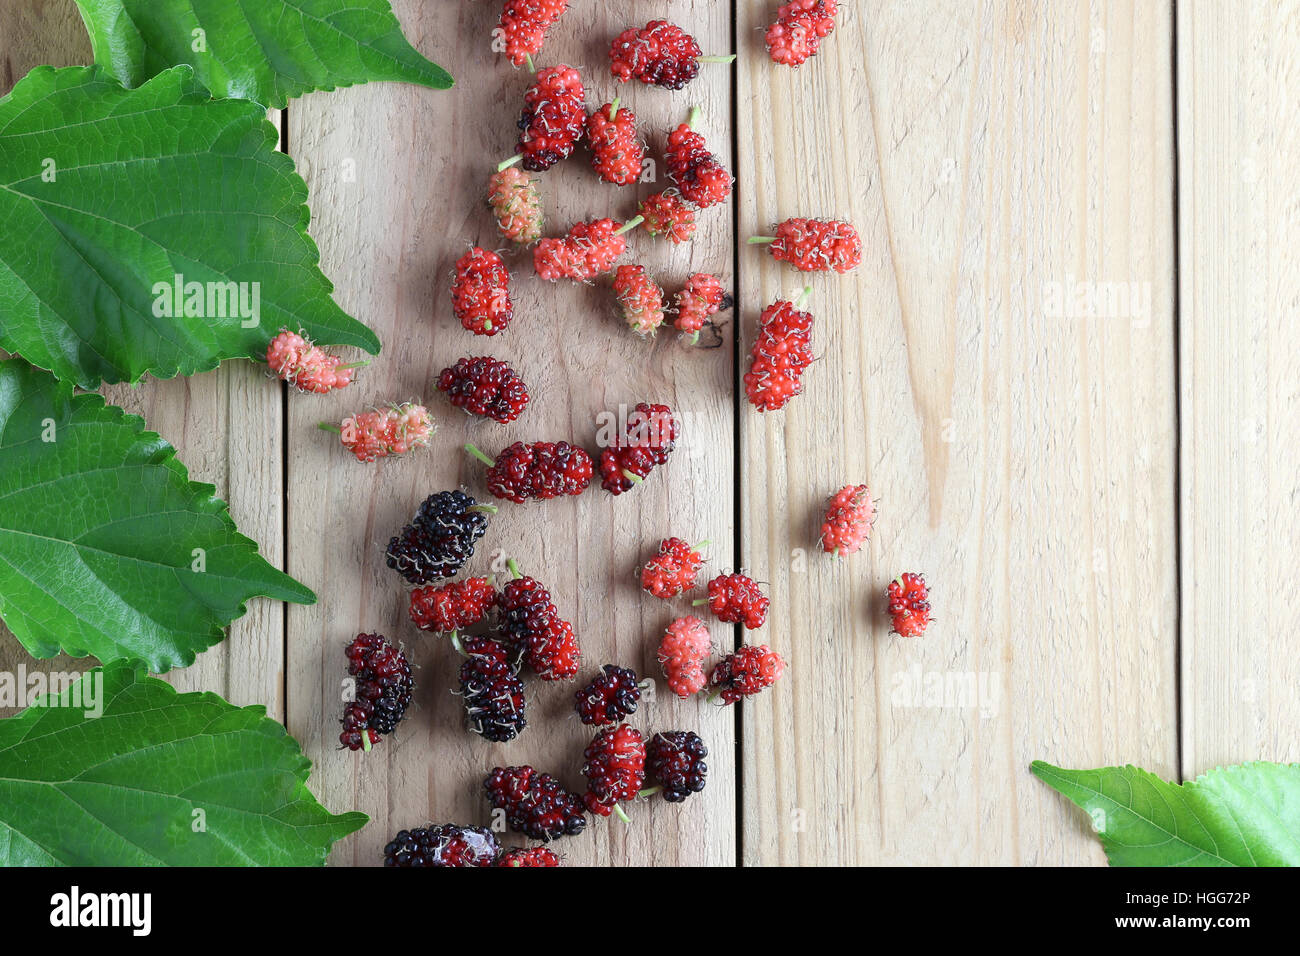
1238, 81
397, 177
226, 426
991, 155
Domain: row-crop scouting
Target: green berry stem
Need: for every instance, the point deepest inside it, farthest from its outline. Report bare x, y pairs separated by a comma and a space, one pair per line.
693, 338
613, 108
366, 745
757, 240
635, 479
361, 364
327, 427
803, 297
514, 568
621, 815
649, 791
698, 601
479, 455
731, 58
528, 58
485, 509
694, 117
630, 224
712, 697
702, 545
507, 163
455, 642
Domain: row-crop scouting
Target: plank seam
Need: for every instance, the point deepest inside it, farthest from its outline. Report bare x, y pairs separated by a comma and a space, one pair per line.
1178, 406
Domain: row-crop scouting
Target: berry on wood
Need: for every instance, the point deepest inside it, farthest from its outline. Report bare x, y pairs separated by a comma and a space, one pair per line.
909, 604
673, 569
485, 386
524, 24
553, 121
639, 299
779, 355
746, 672
452, 607
737, 599
814, 245
700, 299
616, 150
682, 651
800, 27
445, 845
439, 539
675, 764
848, 520
383, 686
533, 626
512, 194
307, 367
536, 804
650, 436
658, 54
615, 770
491, 690
533, 856
608, 698
589, 249
540, 470
667, 214
381, 432
480, 292
699, 174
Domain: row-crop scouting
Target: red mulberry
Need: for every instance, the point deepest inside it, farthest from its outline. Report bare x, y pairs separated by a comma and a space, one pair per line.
515, 204
639, 298
745, 673
616, 150
484, 386
815, 245
699, 174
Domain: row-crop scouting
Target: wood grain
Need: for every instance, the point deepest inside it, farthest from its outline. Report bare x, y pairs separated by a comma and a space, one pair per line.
397, 177
1239, 149
1023, 456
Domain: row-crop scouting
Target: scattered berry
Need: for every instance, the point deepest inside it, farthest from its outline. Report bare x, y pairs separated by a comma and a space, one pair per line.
384, 431
673, 570
745, 672
540, 470
492, 691
614, 768
609, 698
815, 245
533, 626
480, 292
651, 434
800, 27
658, 54
685, 645
848, 520
699, 175
616, 150
535, 856
447, 608
909, 604
307, 367
536, 805
484, 386
780, 354
439, 539
701, 298
383, 689
553, 119
524, 24
640, 299
737, 599
589, 249
666, 214
515, 204
675, 761
445, 845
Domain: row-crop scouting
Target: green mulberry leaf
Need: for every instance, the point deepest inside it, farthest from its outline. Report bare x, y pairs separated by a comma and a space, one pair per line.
109, 195
267, 51
106, 547
120, 770
1247, 815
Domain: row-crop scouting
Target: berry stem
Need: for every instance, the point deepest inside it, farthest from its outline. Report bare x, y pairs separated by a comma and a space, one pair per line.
694, 117
485, 509
803, 297
479, 455
455, 642
702, 545
757, 240
361, 364
507, 163
528, 58
366, 745
621, 815
613, 108
635, 479
712, 697
327, 427
630, 224
693, 338
514, 568
716, 59
649, 791
698, 601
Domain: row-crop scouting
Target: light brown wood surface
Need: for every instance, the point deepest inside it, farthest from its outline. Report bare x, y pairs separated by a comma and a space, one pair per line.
1103, 504
1239, 166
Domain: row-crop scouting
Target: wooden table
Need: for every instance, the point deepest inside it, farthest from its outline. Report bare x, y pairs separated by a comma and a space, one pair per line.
1067, 368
